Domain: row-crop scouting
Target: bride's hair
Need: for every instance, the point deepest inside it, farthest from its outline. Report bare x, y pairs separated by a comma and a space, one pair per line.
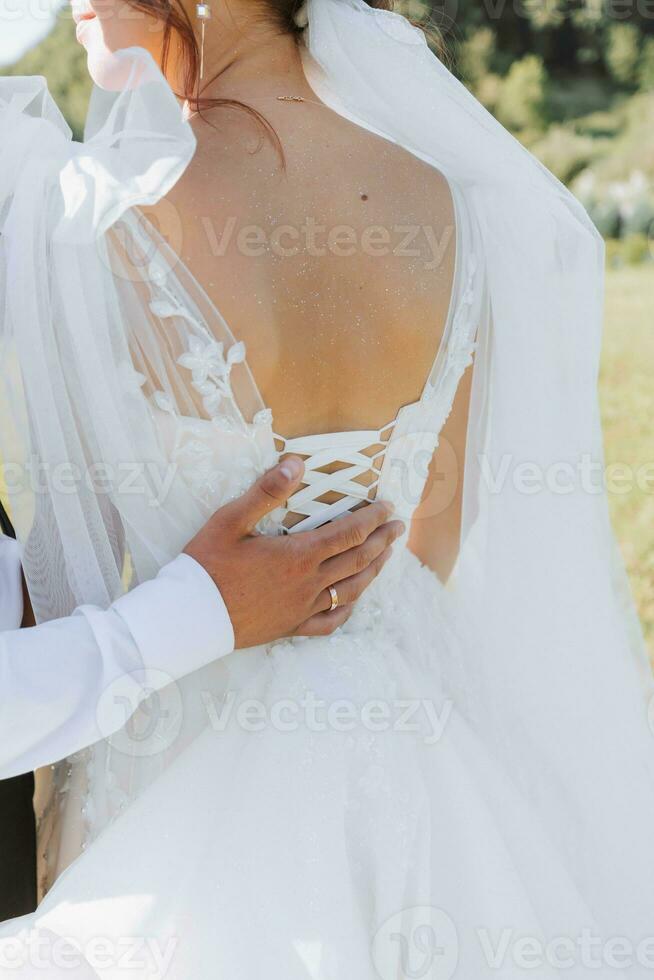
179, 29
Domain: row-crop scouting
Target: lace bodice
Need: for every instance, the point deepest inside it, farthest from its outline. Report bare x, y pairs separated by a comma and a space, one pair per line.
219, 455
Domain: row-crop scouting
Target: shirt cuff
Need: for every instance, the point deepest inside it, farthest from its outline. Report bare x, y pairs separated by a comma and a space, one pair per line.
179, 620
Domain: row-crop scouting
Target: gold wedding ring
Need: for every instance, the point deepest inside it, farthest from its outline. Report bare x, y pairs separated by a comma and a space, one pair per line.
334, 594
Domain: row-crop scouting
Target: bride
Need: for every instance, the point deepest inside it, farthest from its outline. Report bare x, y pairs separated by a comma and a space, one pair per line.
309, 238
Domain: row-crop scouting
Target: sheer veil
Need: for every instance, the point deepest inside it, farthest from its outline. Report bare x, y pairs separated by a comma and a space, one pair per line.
556, 677
556, 681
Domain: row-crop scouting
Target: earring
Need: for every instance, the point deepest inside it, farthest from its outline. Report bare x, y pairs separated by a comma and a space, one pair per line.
203, 13
301, 16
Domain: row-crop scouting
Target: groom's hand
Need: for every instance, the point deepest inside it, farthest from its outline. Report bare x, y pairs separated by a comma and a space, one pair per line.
279, 586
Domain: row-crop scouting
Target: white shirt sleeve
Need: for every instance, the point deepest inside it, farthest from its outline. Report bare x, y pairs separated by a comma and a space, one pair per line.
54, 678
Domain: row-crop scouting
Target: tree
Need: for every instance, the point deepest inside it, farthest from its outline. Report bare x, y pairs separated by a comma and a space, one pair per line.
522, 99
646, 66
476, 56
623, 52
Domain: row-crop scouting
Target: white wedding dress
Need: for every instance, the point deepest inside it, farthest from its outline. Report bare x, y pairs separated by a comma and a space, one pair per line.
460, 782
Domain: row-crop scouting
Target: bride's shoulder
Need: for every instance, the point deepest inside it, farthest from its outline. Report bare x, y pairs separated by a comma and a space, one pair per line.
345, 144
296, 157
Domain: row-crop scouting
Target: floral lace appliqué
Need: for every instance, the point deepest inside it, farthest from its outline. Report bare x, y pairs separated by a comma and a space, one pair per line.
210, 371
210, 363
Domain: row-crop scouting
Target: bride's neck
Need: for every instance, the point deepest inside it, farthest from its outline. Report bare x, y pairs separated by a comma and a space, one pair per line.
253, 64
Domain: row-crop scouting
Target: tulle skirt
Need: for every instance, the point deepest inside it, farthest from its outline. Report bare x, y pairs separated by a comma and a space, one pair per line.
337, 818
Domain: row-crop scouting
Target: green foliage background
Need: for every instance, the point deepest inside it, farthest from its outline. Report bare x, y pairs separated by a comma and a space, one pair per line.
574, 79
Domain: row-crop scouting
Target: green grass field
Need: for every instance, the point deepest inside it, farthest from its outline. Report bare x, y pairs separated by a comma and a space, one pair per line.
627, 396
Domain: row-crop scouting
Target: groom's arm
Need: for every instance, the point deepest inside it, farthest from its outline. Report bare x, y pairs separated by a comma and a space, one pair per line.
231, 589
53, 676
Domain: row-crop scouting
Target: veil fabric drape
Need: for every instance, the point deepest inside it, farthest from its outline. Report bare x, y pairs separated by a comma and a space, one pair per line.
558, 678
555, 679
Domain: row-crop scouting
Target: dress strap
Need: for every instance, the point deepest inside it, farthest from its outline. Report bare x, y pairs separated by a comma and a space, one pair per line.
458, 343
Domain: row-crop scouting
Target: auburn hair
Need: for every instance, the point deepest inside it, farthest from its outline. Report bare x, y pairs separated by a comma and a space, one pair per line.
178, 28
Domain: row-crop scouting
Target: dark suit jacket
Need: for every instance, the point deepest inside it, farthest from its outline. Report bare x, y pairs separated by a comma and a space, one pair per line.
17, 830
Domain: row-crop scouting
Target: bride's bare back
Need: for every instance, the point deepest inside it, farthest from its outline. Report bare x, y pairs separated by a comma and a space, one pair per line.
335, 266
